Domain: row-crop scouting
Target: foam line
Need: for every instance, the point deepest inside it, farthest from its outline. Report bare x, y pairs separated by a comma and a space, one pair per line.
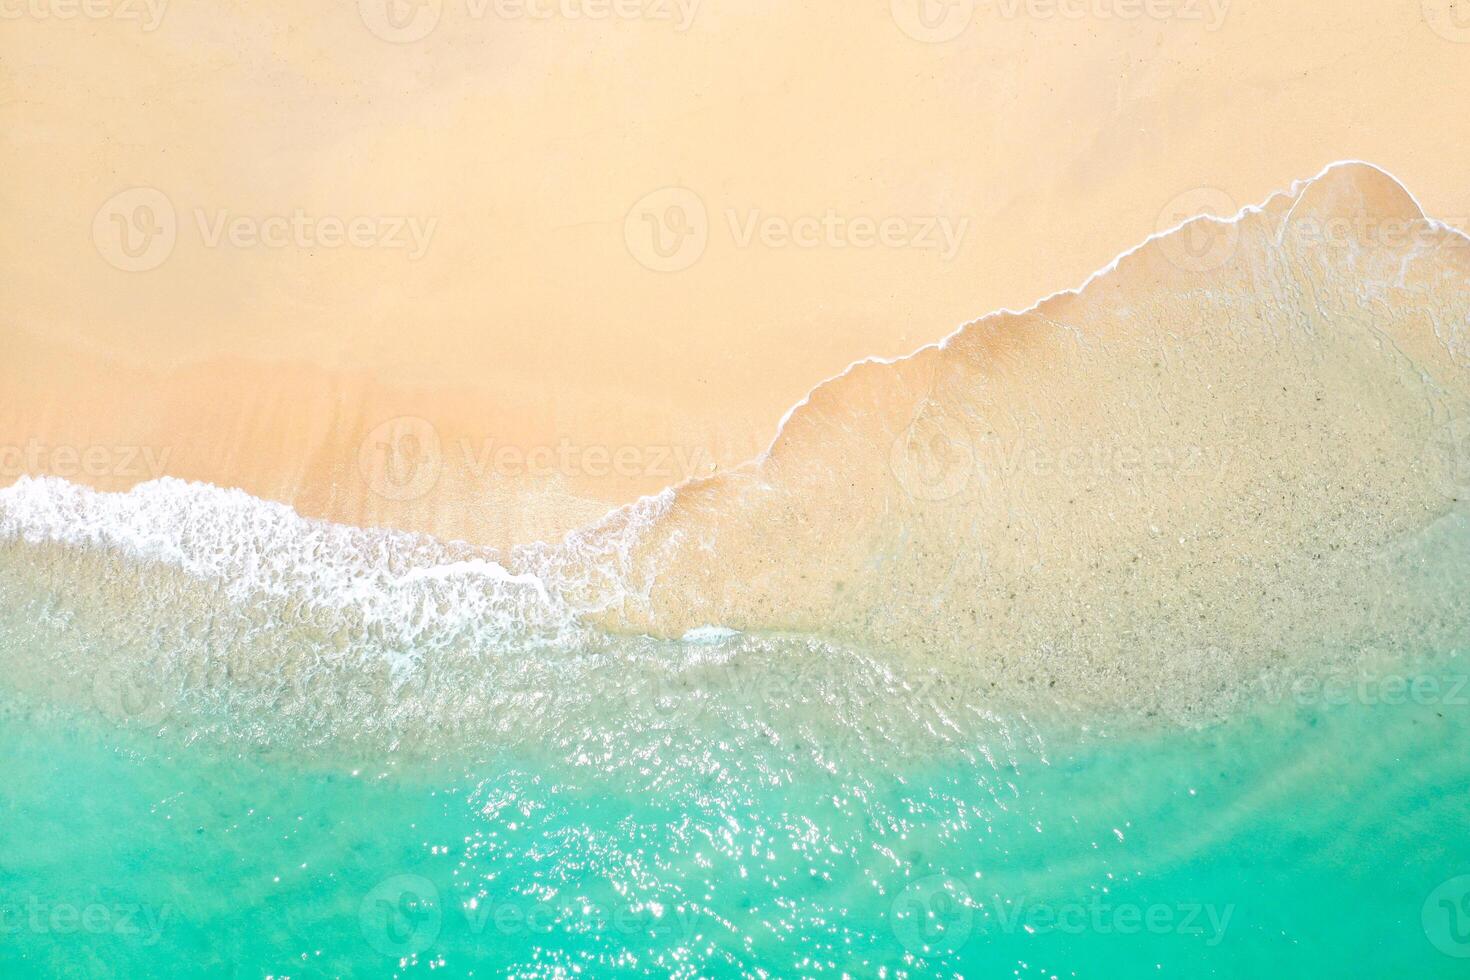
1297, 189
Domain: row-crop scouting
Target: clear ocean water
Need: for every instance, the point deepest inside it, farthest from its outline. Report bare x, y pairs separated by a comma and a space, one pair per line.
1322, 835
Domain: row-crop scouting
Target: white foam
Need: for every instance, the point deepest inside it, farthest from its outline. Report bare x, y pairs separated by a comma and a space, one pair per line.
709, 634
247, 549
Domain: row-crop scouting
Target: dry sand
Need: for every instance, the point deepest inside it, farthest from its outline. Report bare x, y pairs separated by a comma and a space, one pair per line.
239, 241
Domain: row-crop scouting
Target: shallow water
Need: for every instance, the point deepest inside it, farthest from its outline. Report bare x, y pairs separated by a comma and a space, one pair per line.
1322, 835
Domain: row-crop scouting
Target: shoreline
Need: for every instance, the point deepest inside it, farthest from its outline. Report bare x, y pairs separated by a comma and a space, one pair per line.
1036, 487
374, 456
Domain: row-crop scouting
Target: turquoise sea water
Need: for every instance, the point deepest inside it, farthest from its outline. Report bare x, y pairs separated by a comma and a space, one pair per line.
1326, 834
965, 677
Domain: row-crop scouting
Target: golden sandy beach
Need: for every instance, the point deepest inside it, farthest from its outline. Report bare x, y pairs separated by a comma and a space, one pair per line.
486, 269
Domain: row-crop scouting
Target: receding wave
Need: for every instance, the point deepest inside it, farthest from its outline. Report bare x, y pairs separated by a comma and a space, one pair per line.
1241, 449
